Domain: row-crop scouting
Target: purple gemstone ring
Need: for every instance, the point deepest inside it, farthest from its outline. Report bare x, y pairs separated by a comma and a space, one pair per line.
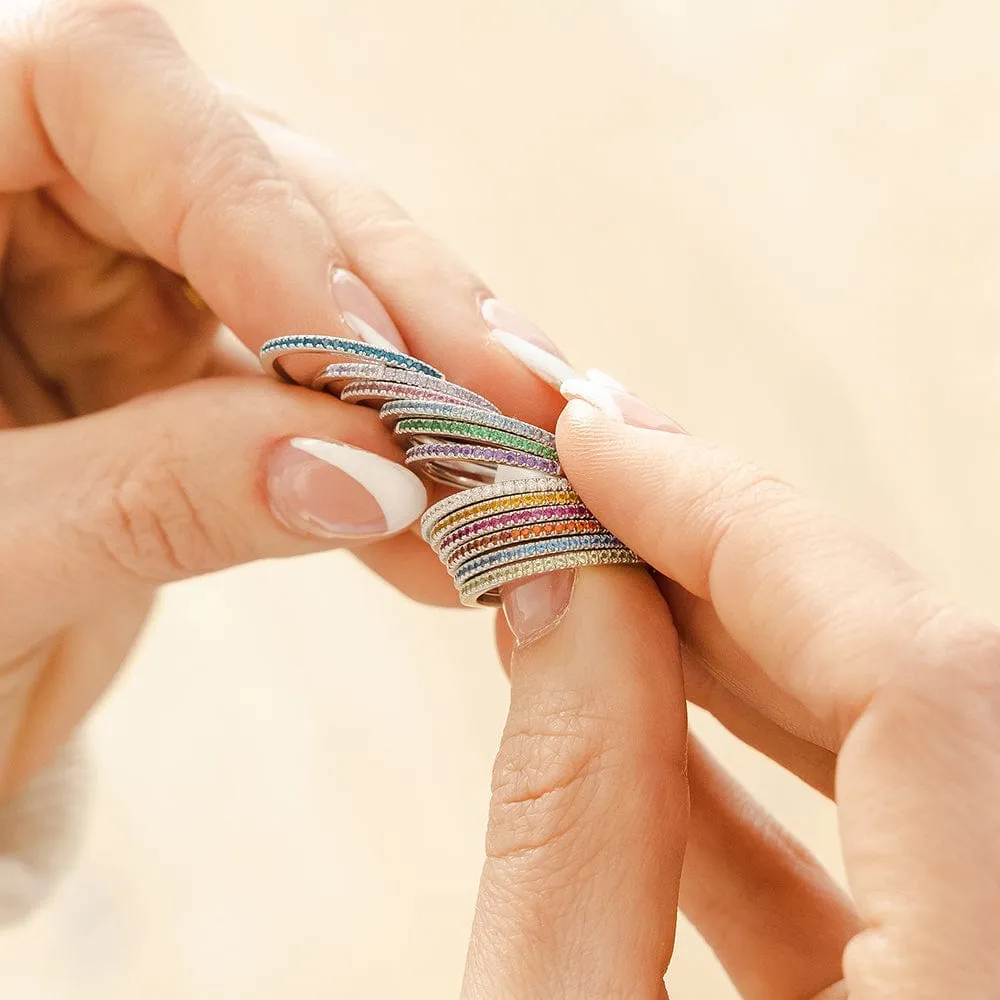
469, 465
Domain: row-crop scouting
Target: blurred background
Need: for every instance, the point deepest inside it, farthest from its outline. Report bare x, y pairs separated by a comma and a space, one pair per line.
784, 213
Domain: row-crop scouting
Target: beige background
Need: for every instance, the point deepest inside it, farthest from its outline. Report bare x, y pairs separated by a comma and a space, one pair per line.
790, 206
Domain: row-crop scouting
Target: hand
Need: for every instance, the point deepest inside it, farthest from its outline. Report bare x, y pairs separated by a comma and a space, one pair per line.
810, 641
143, 216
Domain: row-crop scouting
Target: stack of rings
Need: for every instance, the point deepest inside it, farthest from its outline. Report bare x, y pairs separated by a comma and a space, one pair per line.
514, 517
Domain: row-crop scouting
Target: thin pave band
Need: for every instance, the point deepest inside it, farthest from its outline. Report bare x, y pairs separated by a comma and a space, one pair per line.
529, 550
386, 388
511, 536
434, 518
416, 428
517, 516
403, 409
491, 458
277, 350
484, 590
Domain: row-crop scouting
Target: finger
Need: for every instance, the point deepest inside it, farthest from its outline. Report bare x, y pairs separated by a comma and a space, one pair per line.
434, 298
701, 630
773, 916
813, 764
825, 610
39, 831
208, 475
184, 482
589, 811
192, 184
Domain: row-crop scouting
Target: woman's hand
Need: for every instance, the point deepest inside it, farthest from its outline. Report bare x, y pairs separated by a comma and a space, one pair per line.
143, 216
808, 640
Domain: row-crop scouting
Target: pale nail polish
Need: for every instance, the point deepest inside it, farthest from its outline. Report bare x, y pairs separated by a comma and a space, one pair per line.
333, 490
363, 312
592, 392
603, 378
526, 342
620, 406
535, 606
540, 362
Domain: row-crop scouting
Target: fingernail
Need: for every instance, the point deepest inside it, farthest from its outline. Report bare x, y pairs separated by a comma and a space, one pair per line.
363, 312
603, 378
535, 606
520, 337
333, 490
620, 406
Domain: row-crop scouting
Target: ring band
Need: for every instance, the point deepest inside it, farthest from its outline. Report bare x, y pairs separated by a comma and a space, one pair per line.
518, 517
299, 358
438, 517
484, 590
402, 409
417, 429
533, 550
504, 537
471, 456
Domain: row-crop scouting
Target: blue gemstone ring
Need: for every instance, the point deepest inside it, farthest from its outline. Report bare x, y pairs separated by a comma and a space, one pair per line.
300, 358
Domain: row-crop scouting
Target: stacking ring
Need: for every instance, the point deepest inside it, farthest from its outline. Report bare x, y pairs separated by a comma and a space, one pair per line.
299, 359
394, 384
471, 464
491, 499
484, 590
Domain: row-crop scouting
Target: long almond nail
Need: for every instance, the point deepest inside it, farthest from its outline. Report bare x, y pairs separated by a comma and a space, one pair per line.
363, 312
526, 342
535, 606
620, 406
333, 490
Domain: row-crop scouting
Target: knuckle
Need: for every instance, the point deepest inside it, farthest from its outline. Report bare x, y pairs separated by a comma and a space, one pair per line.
232, 173
151, 527
547, 781
943, 690
736, 498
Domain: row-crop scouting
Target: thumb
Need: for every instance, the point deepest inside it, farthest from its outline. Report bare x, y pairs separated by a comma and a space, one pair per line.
588, 818
181, 483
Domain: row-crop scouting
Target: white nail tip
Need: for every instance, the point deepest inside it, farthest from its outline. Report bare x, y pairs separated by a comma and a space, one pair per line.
598, 396
542, 363
397, 491
603, 378
367, 332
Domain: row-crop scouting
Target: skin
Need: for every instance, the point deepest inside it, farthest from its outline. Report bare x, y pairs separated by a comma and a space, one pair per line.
807, 639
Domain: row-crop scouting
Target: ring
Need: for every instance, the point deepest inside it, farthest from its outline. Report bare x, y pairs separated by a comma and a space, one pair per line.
465, 464
419, 429
404, 409
500, 539
300, 358
484, 590
395, 384
438, 517
517, 516
533, 550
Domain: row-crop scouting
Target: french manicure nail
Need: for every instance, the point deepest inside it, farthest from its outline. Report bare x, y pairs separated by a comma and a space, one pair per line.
621, 406
332, 490
603, 378
363, 312
535, 606
526, 342
592, 392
